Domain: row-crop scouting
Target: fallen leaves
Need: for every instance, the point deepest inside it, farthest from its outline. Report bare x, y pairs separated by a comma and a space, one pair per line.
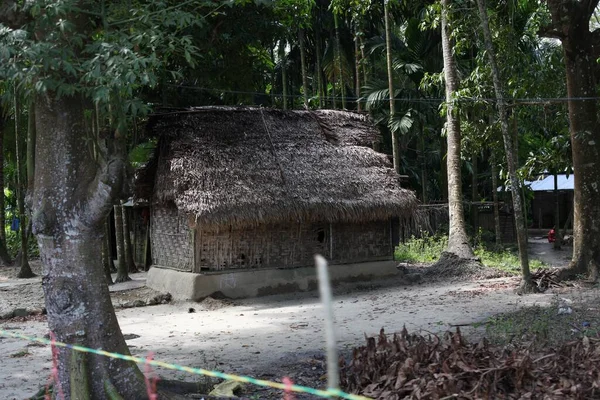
411, 366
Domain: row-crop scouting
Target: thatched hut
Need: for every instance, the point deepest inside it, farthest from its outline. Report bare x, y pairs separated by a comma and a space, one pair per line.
242, 198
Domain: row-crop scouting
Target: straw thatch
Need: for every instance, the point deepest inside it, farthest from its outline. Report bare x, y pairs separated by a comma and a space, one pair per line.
247, 166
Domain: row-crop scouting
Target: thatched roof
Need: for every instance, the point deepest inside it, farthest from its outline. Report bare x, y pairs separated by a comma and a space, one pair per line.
245, 166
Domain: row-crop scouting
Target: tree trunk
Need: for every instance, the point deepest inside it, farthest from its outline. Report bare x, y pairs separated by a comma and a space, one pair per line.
515, 189
571, 21
357, 68
458, 241
390, 72
363, 58
284, 83
474, 194
423, 163
558, 236
334, 80
444, 170
497, 230
301, 34
24, 267
318, 68
72, 197
122, 268
338, 60
4, 256
127, 240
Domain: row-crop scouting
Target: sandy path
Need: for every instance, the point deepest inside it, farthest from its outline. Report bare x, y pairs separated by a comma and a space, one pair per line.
251, 335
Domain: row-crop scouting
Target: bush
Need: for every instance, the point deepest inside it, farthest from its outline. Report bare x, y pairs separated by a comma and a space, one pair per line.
425, 249
13, 244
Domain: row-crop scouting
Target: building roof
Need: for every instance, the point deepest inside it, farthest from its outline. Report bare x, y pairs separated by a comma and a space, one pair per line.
246, 166
564, 182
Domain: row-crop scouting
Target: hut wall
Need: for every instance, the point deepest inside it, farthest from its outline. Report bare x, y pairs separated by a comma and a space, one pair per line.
366, 241
171, 239
291, 245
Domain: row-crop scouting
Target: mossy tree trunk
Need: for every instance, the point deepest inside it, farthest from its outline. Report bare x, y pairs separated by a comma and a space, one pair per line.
73, 194
4, 256
571, 24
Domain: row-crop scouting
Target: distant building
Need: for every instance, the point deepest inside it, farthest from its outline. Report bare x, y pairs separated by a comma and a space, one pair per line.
543, 202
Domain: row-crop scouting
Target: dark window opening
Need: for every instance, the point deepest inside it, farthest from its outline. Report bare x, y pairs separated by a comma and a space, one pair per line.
321, 235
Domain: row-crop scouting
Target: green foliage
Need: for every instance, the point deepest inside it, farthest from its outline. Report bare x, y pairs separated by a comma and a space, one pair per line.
425, 249
13, 244
504, 259
99, 59
428, 249
140, 154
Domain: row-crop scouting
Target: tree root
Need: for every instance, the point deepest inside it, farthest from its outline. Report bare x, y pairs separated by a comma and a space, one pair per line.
122, 278
527, 287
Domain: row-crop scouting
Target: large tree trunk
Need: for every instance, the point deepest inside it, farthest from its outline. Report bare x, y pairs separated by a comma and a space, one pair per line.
390, 72
526, 284
122, 268
4, 256
72, 197
458, 241
570, 23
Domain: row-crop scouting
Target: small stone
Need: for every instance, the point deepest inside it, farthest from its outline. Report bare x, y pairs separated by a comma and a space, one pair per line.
152, 302
139, 303
7, 315
20, 312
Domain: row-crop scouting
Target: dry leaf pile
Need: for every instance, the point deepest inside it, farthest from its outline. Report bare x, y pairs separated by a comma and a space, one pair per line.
546, 278
410, 366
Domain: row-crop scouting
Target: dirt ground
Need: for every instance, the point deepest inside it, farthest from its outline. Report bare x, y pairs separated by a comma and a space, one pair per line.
269, 337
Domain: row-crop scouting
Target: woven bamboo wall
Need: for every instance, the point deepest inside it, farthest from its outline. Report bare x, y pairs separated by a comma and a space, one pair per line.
362, 242
170, 239
292, 245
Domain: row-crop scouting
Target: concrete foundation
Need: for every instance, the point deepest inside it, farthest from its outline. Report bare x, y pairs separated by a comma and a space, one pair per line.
253, 283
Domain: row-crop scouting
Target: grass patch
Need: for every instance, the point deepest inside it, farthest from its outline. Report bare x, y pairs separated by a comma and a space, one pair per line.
429, 248
19, 354
504, 259
541, 327
421, 250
